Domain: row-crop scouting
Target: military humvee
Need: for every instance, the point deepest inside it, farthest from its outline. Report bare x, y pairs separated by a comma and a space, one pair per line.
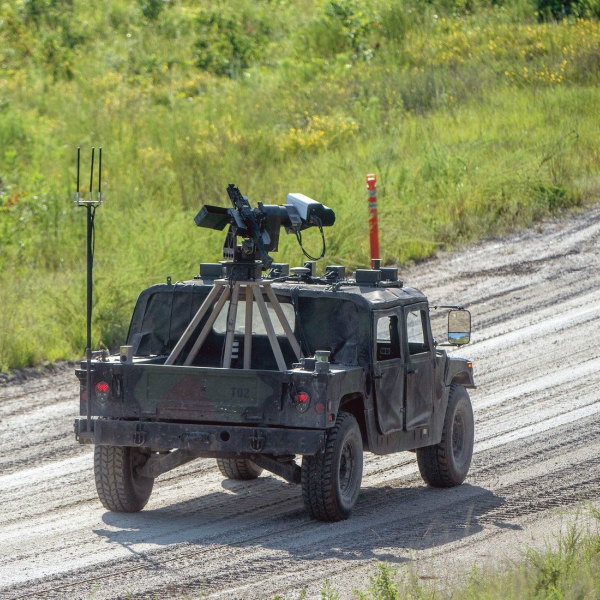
322, 368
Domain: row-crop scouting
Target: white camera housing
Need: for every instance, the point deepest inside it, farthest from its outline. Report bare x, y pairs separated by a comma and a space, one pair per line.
308, 209
302, 204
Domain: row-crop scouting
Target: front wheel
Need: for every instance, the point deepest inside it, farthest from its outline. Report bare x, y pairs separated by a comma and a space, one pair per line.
119, 486
446, 464
331, 479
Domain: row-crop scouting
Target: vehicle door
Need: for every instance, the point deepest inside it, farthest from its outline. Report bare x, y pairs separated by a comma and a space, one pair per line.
420, 354
388, 371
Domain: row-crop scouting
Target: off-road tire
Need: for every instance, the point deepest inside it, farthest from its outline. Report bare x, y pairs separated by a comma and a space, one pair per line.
119, 487
238, 468
331, 479
446, 464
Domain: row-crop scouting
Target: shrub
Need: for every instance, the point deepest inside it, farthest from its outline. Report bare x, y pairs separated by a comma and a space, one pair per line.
226, 44
151, 9
343, 26
560, 9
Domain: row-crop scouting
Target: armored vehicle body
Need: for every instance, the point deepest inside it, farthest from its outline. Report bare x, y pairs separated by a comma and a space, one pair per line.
281, 371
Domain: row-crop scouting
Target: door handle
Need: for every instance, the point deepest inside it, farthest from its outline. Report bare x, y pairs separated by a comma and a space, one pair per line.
412, 371
378, 376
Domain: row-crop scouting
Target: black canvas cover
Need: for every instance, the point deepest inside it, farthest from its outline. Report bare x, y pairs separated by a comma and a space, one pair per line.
161, 315
322, 322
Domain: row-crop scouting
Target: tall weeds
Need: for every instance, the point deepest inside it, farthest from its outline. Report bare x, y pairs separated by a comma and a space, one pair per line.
568, 567
478, 118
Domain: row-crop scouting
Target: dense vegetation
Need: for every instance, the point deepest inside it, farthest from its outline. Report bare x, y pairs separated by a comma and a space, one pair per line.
478, 116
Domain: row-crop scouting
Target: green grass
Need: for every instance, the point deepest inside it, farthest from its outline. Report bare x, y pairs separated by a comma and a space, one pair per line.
477, 118
567, 568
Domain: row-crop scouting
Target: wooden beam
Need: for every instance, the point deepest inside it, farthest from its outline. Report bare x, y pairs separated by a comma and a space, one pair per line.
208, 326
194, 323
264, 313
230, 329
248, 327
283, 320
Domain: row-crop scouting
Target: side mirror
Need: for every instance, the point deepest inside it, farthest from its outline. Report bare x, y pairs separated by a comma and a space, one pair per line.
459, 327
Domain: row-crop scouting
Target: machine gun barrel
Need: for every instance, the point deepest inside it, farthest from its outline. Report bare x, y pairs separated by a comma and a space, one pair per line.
252, 223
260, 226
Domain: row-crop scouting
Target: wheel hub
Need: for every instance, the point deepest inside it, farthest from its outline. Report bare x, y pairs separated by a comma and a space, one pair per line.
458, 436
346, 466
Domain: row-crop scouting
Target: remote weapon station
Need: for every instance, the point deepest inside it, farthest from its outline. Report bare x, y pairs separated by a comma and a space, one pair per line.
263, 367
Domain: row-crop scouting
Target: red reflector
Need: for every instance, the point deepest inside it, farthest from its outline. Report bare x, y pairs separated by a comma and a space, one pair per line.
303, 397
102, 387
320, 408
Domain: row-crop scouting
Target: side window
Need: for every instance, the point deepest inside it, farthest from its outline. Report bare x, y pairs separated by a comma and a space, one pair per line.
388, 340
416, 332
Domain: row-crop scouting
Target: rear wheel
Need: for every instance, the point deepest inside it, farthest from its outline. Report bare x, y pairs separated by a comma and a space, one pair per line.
331, 479
238, 468
119, 486
446, 464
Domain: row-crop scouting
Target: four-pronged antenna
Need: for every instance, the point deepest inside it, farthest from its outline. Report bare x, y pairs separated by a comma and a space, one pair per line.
91, 205
78, 196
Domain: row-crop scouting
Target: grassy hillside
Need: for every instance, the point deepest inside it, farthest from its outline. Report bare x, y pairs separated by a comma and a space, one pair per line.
477, 118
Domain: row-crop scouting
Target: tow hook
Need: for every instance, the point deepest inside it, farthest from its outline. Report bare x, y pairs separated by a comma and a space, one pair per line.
139, 436
257, 442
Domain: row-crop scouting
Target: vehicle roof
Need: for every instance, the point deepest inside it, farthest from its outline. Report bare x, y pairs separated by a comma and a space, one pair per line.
370, 296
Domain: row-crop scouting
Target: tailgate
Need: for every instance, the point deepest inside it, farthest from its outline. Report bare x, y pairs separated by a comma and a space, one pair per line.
202, 394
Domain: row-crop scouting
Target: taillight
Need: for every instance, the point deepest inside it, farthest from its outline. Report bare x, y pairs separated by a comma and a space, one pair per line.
102, 391
302, 401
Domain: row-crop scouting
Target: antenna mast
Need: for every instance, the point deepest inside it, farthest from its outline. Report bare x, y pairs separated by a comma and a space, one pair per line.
91, 205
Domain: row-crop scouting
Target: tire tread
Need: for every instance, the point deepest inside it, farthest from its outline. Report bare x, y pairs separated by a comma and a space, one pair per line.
111, 471
318, 491
238, 468
433, 460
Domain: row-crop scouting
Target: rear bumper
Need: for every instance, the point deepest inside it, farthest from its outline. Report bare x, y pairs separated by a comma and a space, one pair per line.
206, 440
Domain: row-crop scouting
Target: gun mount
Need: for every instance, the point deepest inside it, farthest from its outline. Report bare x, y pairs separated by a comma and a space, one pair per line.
260, 228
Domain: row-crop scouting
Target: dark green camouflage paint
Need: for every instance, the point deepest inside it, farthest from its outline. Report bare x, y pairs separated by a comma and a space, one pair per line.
148, 395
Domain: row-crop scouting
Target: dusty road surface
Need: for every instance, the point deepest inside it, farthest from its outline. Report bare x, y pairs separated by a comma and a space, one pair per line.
535, 300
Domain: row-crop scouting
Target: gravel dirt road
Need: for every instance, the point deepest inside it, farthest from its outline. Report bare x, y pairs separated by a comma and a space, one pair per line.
535, 300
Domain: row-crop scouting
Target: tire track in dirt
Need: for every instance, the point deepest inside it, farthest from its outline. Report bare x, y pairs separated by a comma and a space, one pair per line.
536, 350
